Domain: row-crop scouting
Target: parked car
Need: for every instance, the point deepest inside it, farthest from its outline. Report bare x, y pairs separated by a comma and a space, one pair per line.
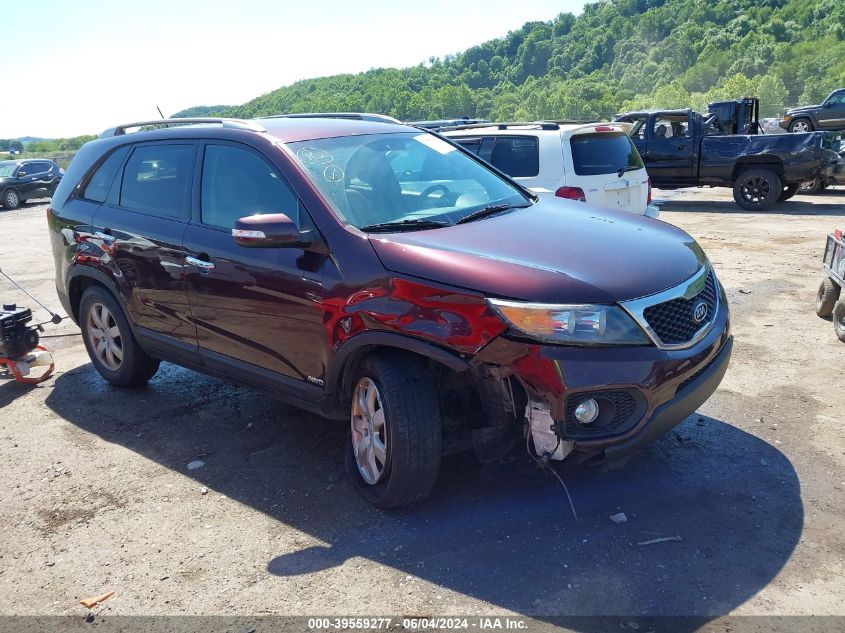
22, 180
829, 115
681, 149
438, 125
595, 163
771, 125
828, 303
379, 274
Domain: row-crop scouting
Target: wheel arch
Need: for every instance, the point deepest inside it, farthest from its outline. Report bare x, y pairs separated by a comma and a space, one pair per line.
762, 162
80, 279
353, 351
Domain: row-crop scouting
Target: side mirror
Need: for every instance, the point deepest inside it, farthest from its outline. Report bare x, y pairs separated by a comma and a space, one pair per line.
827, 104
21, 173
269, 230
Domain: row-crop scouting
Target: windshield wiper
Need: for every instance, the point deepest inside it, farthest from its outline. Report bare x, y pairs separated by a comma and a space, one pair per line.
404, 225
626, 168
489, 210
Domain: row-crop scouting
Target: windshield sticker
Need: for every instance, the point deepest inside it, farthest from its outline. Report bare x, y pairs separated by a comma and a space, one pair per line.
314, 155
438, 145
333, 173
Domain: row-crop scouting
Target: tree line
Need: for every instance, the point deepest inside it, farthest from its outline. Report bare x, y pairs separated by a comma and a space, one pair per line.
616, 55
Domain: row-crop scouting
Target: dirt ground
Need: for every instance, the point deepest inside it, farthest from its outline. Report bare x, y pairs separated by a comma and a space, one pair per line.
96, 493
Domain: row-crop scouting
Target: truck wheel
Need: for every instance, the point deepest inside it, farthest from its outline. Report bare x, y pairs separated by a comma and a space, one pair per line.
839, 320
109, 340
801, 125
757, 189
395, 443
789, 191
827, 297
11, 199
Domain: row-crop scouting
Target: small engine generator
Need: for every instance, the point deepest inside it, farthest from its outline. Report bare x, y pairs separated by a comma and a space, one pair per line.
17, 338
19, 348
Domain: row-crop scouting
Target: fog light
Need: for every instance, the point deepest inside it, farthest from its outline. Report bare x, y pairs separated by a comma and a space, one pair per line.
587, 411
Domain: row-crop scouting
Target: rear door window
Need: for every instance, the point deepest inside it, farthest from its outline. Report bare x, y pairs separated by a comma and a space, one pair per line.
517, 156
157, 180
97, 189
237, 183
604, 153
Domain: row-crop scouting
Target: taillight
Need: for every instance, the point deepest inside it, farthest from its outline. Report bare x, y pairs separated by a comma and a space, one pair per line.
48, 213
648, 201
571, 193
604, 128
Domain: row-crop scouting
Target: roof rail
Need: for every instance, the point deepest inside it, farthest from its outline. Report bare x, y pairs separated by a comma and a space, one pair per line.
355, 116
543, 125
239, 124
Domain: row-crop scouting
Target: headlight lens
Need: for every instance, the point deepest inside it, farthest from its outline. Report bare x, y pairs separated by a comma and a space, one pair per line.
571, 324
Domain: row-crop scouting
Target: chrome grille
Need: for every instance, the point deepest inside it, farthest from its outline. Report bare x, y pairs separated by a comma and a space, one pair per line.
674, 321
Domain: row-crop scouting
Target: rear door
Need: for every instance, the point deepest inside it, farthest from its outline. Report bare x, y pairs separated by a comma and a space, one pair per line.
669, 148
258, 311
140, 228
32, 179
603, 161
832, 115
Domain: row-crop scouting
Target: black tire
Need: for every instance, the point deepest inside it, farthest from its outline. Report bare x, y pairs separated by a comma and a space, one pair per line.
135, 367
757, 189
414, 430
800, 123
827, 297
839, 320
789, 191
11, 199
811, 186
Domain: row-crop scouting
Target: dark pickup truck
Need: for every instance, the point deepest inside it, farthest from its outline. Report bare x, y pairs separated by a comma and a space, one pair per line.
681, 148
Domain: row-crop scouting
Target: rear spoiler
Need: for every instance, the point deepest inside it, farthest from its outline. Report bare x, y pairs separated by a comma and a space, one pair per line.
607, 126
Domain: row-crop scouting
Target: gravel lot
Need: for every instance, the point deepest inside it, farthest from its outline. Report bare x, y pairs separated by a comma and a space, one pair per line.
96, 494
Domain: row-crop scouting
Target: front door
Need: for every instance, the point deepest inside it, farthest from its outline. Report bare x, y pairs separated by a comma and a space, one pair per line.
832, 115
669, 149
258, 311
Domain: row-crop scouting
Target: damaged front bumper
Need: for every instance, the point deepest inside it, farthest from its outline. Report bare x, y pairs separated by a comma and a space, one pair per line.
642, 392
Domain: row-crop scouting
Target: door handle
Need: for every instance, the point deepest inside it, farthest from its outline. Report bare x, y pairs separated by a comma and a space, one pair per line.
199, 263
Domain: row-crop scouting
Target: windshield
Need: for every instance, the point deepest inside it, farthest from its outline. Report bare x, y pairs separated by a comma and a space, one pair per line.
408, 178
7, 168
604, 153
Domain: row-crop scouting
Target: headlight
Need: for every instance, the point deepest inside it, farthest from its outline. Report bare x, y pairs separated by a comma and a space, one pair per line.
571, 324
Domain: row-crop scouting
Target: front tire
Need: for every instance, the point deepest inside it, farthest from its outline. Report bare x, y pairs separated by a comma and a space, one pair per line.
395, 443
839, 320
827, 297
11, 199
757, 189
801, 125
109, 341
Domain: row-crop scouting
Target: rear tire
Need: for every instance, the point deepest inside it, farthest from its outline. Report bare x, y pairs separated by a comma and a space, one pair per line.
397, 464
109, 341
757, 189
789, 191
839, 320
827, 297
811, 186
801, 125
11, 199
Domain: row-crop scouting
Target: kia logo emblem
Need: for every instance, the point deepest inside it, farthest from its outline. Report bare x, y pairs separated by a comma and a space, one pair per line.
700, 312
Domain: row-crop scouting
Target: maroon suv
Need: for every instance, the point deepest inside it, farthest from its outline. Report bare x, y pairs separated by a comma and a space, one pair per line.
377, 273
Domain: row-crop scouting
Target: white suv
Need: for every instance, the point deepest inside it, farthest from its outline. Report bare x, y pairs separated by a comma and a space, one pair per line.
595, 162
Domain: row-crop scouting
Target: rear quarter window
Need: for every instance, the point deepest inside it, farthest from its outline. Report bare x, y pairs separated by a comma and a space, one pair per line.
97, 189
604, 153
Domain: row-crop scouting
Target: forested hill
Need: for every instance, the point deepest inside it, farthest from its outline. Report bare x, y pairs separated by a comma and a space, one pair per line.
616, 55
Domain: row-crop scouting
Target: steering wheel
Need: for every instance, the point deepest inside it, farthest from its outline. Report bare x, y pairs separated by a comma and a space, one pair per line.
430, 190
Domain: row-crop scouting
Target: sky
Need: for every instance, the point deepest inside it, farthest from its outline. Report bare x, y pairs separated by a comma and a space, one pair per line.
86, 65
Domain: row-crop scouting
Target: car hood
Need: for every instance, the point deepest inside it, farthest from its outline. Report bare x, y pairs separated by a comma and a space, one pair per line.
555, 251
803, 109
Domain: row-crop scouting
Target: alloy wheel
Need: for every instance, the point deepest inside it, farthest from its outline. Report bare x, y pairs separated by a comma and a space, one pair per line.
11, 200
756, 189
369, 431
800, 126
104, 335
